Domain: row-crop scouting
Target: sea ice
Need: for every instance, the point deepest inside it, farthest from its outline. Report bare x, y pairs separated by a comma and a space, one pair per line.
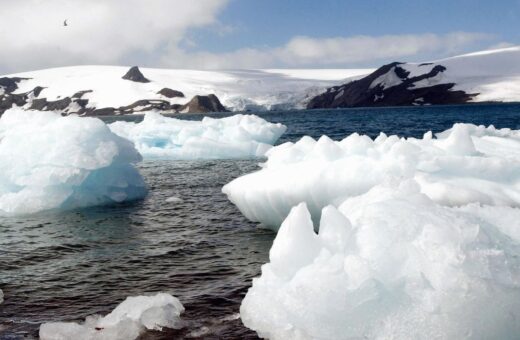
238, 136
465, 164
391, 264
127, 321
53, 162
174, 199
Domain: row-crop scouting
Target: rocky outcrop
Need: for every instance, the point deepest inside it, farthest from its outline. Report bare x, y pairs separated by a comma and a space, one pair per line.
9, 99
169, 93
393, 85
202, 104
134, 74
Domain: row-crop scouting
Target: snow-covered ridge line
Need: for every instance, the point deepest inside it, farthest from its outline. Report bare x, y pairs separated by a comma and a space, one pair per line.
476, 77
87, 88
101, 90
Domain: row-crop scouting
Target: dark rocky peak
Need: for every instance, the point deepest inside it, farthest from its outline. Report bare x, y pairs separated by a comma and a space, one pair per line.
391, 85
169, 93
36, 91
209, 103
10, 84
134, 74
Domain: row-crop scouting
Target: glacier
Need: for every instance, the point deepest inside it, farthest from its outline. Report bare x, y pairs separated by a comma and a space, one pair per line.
127, 321
52, 162
464, 164
391, 264
239, 136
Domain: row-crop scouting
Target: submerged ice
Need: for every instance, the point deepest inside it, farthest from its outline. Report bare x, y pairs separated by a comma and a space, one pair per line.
127, 321
53, 162
391, 264
465, 164
238, 136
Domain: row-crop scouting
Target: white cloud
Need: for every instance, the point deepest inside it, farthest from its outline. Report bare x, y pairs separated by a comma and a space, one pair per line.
157, 33
32, 34
305, 51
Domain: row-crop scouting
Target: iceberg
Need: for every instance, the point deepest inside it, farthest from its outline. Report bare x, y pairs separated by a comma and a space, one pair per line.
127, 321
238, 136
53, 162
391, 264
462, 165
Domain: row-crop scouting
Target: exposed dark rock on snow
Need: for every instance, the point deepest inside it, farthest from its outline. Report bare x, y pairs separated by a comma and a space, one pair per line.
169, 93
76, 104
80, 94
146, 105
10, 85
134, 74
106, 111
391, 85
43, 105
9, 99
209, 103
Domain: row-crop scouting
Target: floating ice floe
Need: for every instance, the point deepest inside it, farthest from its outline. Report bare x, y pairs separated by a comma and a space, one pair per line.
53, 162
391, 264
126, 322
239, 136
465, 164
1, 296
174, 199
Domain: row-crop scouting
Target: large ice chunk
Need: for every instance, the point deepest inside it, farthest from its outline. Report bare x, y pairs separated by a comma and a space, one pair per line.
464, 164
53, 162
391, 264
238, 136
127, 321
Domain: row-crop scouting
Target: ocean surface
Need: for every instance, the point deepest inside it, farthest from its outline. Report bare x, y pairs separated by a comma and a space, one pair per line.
64, 266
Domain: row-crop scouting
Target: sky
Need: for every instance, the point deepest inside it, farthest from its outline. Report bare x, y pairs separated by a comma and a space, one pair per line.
234, 34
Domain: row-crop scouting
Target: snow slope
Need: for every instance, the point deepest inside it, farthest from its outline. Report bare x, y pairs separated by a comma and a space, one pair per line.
236, 89
477, 77
493, 74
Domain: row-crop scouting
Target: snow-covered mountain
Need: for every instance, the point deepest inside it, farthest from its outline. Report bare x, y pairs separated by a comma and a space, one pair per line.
492, 75
97, 90
94, 90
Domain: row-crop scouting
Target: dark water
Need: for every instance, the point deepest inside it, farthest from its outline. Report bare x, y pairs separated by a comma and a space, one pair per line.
65, 266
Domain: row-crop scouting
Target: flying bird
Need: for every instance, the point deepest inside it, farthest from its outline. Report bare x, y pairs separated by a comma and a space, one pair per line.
65, 23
